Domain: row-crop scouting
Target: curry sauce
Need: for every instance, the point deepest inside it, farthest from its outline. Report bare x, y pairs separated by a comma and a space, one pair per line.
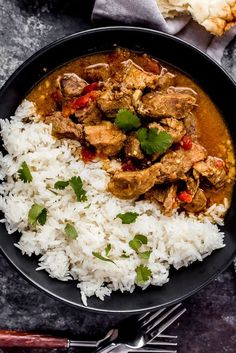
211, 129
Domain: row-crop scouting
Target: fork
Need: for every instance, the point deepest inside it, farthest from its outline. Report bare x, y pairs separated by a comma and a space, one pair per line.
144, 331
140, 332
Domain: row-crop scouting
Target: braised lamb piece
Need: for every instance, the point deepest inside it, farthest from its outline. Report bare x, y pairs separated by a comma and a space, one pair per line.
106, 137
62, 127
132, 148
173, 126
159, 105
130, 185
89, 115
71, 85
213, 169
97, 72
175, 164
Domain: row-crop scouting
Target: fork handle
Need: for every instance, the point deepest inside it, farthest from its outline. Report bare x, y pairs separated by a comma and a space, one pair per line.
10, 338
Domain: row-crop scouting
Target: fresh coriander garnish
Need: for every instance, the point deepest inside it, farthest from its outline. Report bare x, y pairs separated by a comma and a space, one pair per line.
71, 231
24, 173
107, 249
151, 141
126, 120
128, 217
137, 242
100, 257
37, 213
61, 184
143, 273
76, 184
145, 254
86, 207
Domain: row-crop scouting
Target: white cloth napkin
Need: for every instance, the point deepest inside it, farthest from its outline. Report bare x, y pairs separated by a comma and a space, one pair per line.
145, 13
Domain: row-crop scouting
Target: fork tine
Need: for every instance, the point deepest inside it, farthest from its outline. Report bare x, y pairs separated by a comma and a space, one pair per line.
163, 317
145, 319
161, 343
153, 334
168, 336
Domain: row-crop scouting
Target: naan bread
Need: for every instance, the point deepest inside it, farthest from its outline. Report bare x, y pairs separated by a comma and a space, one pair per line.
217, 16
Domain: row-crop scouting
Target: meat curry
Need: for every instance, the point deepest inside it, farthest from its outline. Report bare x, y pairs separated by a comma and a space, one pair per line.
171, 143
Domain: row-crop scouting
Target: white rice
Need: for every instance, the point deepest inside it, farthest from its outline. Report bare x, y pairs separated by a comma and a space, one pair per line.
174, 241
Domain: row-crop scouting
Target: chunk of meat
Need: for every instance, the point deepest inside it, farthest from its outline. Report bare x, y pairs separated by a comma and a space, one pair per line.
129, 185
214, 170
198, 203
170, 203
111, 101
132, 76
71, 85
192, 185
166, 79
173, 126
105, 137
64, 127
175, 164
190, 123
162, 104
89, 115
98, 72
166, 197
132, 147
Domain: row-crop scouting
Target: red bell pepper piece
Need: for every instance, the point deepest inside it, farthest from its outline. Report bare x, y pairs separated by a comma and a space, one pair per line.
89, 88
186, 142
185, 196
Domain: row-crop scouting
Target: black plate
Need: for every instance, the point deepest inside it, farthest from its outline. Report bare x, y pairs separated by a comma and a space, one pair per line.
209, 75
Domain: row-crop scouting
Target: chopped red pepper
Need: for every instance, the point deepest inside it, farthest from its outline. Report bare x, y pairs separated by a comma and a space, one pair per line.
87, 154
89, 88
128, 167
186, 142
185, 196
83, 101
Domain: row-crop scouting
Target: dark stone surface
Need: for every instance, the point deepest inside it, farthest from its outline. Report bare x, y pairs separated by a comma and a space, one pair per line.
210, 323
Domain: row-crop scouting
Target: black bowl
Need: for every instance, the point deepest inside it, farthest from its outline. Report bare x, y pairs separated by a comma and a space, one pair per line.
209, 75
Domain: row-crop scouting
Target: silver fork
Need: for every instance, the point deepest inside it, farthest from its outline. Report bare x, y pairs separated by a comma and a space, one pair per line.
133, 334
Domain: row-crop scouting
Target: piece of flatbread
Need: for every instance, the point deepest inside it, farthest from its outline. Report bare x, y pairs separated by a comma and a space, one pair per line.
217, 16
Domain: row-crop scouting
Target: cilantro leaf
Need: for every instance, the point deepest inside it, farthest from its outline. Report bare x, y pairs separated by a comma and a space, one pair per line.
151, 141
128, 217
37, 213
42, 217
126, 120
77, 185
107, 249
100, 257
143, 273
145, 254
137, 242
61, 184
86, 207
142, 238
71, 231
24, 173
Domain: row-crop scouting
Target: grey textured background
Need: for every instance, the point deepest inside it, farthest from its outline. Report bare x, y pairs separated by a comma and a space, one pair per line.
210, 324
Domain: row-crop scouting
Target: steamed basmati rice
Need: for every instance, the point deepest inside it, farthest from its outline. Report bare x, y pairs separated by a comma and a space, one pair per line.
174, 241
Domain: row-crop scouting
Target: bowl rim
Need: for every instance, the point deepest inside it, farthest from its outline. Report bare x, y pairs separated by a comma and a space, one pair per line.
5, 88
